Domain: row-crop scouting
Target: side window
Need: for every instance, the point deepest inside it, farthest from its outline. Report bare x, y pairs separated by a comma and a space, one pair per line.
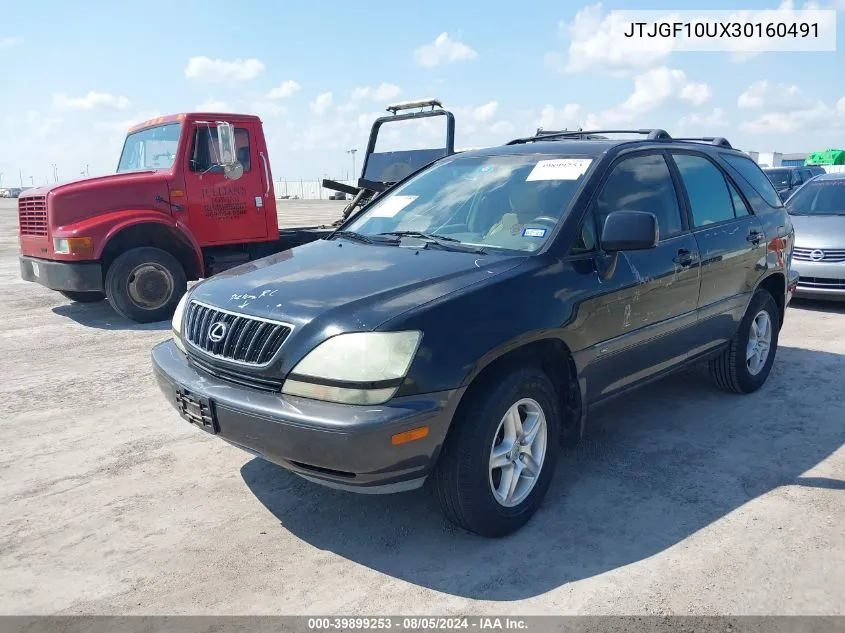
205, 151
709, 197
642, 183
797, 177
585, 241
756, 178
740, 208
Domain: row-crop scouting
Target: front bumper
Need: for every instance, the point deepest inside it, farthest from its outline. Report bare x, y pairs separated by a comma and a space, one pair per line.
341, 446
56, 275
820, 280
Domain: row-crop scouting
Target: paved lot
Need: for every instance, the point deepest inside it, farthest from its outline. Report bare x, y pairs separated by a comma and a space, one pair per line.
683, 500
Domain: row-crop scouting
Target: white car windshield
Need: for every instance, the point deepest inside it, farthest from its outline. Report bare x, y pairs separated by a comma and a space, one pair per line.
510, 202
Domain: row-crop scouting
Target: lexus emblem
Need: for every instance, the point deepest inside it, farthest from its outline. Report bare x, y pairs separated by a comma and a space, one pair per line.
217, 332
817, 255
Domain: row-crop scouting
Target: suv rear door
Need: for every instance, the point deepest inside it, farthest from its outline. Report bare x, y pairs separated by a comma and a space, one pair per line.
730, 239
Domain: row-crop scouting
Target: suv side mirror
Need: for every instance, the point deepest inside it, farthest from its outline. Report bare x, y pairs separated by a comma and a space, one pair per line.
629, 231
232, 169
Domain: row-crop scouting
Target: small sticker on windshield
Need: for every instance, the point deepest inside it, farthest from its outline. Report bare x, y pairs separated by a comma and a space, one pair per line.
389, 207
560, 169
528, 232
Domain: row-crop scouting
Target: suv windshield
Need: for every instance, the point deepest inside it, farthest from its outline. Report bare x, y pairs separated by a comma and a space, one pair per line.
150, 148
820, 197
510, 202
779, 177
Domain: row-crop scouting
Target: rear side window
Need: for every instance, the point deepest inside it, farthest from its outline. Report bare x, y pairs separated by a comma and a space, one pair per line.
707, 189
756, 178
642, 183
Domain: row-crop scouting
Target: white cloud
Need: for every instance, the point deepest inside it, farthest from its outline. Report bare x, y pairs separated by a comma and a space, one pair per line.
219, 70
594, 43
707, 124
42, 125
346, 108
383, 92
484, 113
695, 93
322, 104
213, 105
552, 118
762, 94
266, 108
92, 100
443, 50
8, 42
785, 122
286, 89
840, 105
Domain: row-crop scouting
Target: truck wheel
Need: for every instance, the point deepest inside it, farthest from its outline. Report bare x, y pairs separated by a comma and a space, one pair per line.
145, 284
745, 365
499, 457
81, 296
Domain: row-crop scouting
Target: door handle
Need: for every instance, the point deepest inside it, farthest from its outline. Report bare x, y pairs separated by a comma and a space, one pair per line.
754, 237
266, 173
683, 258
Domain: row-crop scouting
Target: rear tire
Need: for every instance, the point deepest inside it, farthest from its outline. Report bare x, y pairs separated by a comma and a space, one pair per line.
81, 296
745, 364
145, 284
466, 477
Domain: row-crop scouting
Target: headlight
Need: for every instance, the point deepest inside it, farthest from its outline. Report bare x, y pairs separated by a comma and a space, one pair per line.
73, 245
177, 322
354, 368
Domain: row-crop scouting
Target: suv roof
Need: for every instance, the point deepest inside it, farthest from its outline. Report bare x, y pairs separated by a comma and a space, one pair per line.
595, 142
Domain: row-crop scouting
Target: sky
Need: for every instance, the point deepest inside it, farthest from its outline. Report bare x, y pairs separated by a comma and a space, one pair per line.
75, 76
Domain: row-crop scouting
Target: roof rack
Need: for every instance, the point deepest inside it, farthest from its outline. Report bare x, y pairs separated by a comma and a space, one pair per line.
655, 134
713, 140
410, 105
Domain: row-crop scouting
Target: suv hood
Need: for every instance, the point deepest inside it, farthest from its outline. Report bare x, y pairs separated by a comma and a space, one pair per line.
347, 285
819, 231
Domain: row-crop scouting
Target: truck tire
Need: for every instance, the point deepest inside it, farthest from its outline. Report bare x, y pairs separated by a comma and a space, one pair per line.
145, 284
483, 451
82, 296
745, 364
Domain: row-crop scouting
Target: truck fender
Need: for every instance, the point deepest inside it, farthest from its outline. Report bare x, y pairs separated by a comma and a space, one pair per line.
122, 220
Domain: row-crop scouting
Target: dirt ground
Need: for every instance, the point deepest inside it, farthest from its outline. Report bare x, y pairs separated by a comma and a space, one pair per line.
683, 500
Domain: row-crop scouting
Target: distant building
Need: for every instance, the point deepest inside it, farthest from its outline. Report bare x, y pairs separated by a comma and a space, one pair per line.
778, 159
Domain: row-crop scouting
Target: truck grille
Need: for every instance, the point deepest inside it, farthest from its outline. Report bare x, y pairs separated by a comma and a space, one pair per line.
241, 339
828, 254
32, 215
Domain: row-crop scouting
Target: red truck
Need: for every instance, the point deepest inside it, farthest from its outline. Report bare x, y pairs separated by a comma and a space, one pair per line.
193, 196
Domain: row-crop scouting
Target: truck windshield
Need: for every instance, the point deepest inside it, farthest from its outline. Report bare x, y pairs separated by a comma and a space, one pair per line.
509, 202
150, 148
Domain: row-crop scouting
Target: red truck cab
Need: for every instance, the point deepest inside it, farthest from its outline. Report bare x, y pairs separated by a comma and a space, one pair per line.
179, 208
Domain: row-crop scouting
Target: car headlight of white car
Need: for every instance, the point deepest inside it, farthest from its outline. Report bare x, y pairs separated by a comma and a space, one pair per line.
178, 313
354, 368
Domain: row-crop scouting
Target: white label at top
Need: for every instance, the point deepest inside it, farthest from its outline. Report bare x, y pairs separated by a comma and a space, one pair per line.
559, 169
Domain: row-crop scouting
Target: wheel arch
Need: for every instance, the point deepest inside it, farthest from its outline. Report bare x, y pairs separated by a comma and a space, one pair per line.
157, 234
775, 284
554, 357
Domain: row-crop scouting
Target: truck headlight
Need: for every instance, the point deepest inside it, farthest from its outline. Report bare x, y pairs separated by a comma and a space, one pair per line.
177, 322
354, 368
73, 246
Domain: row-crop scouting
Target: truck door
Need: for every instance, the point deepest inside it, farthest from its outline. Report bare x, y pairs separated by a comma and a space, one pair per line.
222, 211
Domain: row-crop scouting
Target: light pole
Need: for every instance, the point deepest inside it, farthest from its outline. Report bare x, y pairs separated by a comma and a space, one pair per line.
1, 178
55, 173
352, 151
32, 180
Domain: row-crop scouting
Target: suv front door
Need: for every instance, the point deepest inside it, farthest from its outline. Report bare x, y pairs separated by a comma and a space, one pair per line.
647, 306
731, 242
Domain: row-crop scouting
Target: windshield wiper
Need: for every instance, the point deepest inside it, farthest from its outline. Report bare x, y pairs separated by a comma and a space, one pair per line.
352, 235
443, 241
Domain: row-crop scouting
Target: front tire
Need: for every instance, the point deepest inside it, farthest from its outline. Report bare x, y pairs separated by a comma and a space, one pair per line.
745, 364
499, 458
145, 284
82, 296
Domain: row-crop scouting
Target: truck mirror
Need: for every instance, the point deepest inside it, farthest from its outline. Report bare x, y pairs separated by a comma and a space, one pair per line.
232, 169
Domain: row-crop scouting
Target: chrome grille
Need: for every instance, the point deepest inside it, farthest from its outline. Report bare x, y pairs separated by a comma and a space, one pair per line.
32, 215
245, 339
829, 254
821, 282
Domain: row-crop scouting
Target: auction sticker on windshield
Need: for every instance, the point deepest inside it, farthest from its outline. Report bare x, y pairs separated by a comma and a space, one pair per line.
390, 207
560, 169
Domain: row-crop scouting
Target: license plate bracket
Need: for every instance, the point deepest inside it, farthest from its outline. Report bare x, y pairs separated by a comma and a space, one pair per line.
197, 410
